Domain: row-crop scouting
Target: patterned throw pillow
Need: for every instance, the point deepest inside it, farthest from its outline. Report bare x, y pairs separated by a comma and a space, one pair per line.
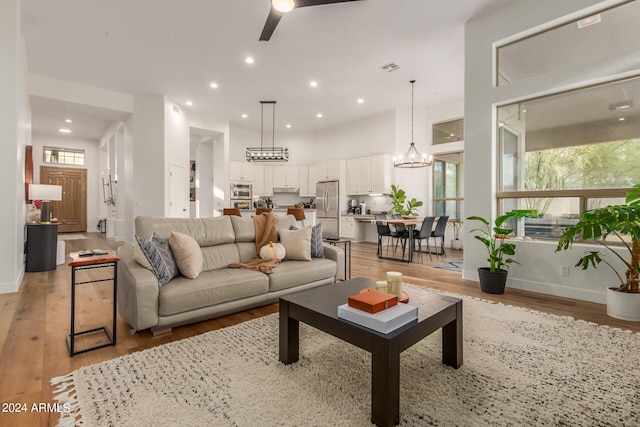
317, 250
158, 253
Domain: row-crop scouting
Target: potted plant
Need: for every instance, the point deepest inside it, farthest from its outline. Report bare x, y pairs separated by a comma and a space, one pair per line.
456, 225
398, 198
494, 278
606, 226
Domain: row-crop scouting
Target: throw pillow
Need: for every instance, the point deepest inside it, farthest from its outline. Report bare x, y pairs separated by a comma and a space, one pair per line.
187, 254
297, 243
158, 253
139, 257
317, 250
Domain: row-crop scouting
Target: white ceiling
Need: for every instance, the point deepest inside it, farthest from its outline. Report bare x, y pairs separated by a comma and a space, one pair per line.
177, 48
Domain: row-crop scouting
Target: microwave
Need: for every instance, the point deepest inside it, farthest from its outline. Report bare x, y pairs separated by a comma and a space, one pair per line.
241, 191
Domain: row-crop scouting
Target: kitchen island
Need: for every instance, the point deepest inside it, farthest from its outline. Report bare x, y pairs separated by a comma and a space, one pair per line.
310, 215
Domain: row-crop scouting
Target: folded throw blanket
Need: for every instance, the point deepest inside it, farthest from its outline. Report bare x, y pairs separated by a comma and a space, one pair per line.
266, 225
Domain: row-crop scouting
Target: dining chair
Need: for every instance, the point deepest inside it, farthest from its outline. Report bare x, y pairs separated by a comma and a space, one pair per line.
260, 211
439, 233
231, 211
383, 231
401, 235
298, 213
424, 234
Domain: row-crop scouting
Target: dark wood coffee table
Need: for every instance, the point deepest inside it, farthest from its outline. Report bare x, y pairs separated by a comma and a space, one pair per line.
318, 307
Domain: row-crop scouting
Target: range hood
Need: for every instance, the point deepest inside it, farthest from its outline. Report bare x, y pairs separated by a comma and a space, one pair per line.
286, 190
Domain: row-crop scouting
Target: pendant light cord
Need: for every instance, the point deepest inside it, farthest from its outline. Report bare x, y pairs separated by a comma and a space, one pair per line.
412, 82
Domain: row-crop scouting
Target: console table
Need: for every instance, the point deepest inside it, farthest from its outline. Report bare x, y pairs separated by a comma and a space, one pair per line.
86, 263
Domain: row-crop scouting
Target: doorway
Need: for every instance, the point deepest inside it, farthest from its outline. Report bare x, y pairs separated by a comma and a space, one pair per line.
71, 211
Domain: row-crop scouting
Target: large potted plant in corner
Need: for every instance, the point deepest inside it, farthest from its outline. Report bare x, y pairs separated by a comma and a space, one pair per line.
619, 224
493, 279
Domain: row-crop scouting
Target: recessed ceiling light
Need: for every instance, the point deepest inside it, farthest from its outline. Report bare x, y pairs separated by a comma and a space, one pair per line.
248, 60
313, 83
622, 119
283, 6
288, 126
244, 116
360, 101
213, 85
64, 130
620, 105
189, 103
68, 120
319, 115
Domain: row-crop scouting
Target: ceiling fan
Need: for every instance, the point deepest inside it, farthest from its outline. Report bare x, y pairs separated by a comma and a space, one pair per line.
280, 7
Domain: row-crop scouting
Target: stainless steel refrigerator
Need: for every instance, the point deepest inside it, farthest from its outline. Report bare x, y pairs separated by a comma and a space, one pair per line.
328, 208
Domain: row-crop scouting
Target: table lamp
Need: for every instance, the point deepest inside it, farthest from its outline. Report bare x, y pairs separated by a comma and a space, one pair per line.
45, 193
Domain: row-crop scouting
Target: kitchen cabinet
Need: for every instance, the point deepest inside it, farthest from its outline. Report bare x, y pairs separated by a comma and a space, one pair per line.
329, 169
286, 176
352, 228
304, 181
258, 180
240, 171
369, 175
313, 179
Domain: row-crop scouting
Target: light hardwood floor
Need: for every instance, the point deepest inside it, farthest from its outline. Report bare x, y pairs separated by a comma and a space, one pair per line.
35, 321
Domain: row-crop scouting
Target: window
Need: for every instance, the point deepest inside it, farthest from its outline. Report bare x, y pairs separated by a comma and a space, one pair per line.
593, 46
563, 154
447, 179
65, 156
449, 131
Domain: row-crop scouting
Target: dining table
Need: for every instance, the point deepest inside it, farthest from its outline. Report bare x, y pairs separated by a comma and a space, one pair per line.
410, 223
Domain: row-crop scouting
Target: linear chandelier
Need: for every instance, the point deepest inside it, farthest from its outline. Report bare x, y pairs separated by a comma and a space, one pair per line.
262, 154
412, 158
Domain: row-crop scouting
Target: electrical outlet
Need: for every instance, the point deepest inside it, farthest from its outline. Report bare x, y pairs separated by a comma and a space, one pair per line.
564, 270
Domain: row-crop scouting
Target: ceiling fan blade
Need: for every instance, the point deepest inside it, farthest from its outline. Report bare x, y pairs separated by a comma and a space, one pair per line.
303, 3
270, 26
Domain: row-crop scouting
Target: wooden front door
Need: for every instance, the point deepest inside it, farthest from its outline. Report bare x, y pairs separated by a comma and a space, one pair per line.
71, 211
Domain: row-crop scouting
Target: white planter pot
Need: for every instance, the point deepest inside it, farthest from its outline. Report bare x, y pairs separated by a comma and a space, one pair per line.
456, 244
623, 305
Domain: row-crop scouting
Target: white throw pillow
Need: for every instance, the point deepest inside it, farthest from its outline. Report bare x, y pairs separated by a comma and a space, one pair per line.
187, 254
297, 243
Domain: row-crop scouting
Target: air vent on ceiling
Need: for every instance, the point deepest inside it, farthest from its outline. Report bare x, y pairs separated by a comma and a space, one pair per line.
589, 20
390, 67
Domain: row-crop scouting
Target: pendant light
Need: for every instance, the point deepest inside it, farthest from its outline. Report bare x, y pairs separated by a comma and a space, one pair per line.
262, 154
412, 158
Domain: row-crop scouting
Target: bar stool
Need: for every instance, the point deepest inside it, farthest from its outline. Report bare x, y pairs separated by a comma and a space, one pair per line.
231, 211
260, 211
298, 213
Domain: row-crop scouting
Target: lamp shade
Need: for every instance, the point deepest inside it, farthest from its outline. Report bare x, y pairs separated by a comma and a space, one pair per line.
45, 192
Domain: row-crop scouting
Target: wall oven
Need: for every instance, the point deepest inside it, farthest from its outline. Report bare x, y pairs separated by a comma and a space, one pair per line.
241, 196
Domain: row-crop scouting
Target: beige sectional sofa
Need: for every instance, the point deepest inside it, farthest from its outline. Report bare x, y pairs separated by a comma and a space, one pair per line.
218, 290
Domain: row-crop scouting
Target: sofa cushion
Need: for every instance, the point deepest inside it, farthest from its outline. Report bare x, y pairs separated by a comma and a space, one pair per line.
297, 243
293, 273
158, 253
206, 231
210, 288
187, 254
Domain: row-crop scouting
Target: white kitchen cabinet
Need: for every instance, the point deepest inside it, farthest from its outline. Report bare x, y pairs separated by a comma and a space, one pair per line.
369, 175
286, 176
329, 169
240, 171
353, 181
258, 180
351, 228
304, 181
313, 179
279, 176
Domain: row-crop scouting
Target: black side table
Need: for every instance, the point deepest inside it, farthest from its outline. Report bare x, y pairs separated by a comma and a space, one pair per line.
41, 247
79, 263
347, 254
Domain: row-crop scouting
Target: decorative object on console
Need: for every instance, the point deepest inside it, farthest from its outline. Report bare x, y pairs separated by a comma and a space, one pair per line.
45, 193
373, 301
33, 216
273, 154
412, 158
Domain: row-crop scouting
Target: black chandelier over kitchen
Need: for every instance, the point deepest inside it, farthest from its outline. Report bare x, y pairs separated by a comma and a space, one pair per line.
412, 158
266, 154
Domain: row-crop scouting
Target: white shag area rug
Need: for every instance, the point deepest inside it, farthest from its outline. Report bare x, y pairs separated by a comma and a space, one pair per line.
520, 368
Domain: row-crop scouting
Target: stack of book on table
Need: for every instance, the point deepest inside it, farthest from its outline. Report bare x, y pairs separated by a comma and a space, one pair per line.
378, 311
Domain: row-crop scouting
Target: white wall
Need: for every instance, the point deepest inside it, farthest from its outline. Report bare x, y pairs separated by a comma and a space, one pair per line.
91, 164
540, 269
